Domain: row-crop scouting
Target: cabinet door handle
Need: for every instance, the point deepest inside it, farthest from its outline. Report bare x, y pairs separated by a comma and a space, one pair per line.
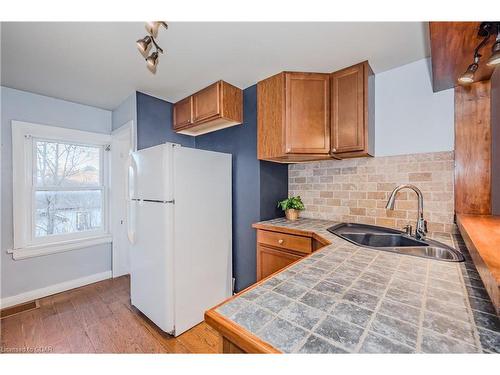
280, 241
334, 150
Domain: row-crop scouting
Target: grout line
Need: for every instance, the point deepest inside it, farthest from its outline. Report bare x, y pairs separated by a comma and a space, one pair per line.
423, 304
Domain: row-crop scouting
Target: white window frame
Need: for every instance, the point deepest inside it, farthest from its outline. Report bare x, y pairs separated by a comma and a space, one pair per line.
26, 245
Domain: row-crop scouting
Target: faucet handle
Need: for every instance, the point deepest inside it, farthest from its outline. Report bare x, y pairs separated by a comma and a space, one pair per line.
408, 229
425, 226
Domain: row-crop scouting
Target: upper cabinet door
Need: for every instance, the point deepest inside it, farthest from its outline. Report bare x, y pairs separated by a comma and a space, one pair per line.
307, 113
206, 103
183, 113
348, 123
353, 111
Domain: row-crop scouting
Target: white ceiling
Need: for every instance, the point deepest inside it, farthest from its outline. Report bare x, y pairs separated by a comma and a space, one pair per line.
98, 63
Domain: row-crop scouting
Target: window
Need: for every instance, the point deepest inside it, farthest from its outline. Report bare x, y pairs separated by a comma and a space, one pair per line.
60, 189
68, 188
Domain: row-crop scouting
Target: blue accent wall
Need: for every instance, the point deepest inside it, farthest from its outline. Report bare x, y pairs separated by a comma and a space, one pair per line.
154, 123
257, 185
273, 187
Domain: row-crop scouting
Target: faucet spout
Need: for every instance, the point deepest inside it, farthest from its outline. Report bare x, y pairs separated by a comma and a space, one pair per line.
421, 228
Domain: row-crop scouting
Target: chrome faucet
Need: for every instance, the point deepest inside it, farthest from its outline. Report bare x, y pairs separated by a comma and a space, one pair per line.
421, 228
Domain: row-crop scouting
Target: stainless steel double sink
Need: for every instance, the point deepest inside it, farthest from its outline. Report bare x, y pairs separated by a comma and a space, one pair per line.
395, 241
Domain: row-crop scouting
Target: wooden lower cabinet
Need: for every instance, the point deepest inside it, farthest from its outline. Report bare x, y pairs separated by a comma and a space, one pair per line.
228, 347
276, 250
270, 260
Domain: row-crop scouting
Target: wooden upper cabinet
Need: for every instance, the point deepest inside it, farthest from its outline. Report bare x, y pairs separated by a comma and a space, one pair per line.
352, 111
315, 116
293, 117
206, 102
183, 113
216, 107
307, 113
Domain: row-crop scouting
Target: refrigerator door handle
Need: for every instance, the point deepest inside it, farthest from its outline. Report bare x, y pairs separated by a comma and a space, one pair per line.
132, 173
131, 213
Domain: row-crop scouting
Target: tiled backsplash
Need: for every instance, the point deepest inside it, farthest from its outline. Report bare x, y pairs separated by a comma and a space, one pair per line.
356, 190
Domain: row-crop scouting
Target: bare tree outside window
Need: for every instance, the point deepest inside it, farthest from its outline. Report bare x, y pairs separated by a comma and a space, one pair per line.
68, 188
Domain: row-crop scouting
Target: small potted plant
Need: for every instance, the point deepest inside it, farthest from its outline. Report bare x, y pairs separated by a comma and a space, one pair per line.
291, 206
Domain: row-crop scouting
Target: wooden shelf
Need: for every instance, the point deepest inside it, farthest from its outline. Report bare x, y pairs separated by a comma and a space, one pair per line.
481, 234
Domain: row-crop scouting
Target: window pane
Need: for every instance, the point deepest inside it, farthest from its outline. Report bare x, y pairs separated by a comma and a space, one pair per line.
66, 165
65, 212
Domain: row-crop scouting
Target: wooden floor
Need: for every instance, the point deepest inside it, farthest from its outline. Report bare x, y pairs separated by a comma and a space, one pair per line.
98, 318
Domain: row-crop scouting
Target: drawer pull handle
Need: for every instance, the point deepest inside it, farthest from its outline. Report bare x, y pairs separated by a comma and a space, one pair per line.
280, 241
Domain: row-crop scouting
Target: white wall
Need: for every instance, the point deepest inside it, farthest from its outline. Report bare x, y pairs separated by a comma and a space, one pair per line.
125, 112
26, 275
409, 117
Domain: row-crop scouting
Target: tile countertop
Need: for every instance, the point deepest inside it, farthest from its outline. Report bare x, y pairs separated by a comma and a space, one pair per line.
346, 298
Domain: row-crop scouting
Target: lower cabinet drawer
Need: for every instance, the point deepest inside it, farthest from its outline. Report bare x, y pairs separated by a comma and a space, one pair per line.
270, 260
285, 241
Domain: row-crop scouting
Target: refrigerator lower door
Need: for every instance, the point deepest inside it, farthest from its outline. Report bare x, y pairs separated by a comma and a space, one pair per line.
203, 233
151, 261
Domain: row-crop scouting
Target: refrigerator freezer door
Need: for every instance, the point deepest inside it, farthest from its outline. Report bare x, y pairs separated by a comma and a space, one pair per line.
203, 233
151, 260
150, 173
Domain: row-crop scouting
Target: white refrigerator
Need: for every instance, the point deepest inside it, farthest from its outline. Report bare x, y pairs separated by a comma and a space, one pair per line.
180, 232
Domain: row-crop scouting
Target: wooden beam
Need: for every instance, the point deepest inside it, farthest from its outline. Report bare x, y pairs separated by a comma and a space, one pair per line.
495, 142
473, 149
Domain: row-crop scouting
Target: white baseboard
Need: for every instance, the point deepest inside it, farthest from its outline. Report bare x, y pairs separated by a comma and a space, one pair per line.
53, 289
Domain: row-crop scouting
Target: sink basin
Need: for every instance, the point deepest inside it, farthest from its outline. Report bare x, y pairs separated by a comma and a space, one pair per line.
383, 240
387, 239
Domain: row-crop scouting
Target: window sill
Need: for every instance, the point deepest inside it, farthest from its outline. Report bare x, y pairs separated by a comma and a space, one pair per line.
59, 247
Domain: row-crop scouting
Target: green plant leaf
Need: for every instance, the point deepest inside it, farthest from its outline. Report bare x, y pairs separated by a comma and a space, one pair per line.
291, 203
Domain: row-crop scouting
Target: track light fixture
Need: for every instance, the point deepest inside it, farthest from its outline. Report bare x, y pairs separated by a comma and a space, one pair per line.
144, 45
486, 29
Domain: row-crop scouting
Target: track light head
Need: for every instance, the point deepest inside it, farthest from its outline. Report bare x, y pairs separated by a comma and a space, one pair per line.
153, 26
494, 59
144, 45
468, 77
152, 62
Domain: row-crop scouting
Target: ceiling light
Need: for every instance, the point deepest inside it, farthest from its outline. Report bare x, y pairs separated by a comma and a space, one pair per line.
144, 45
495, 50
153, 26
152, 62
